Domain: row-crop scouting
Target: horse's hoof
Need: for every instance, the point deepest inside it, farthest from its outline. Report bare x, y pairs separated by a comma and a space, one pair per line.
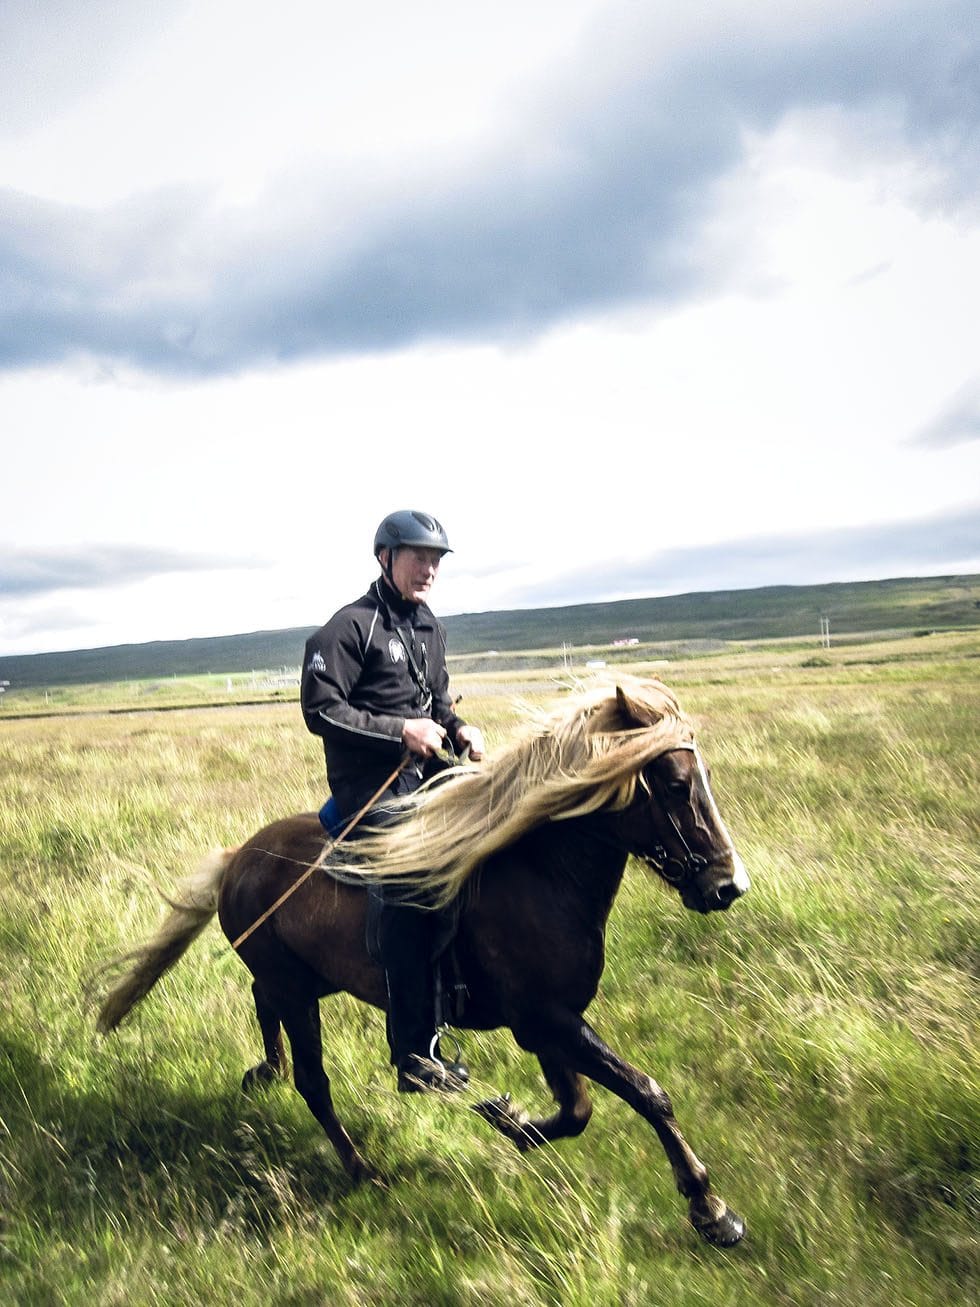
256, 1077
495, 1110
510, 1121
503, 1116
362, 1172
724, 1231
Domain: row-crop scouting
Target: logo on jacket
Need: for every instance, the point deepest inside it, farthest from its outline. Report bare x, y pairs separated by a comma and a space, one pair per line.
396, 650
317, 663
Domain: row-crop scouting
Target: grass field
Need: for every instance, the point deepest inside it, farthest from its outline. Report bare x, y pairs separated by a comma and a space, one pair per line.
819, 1041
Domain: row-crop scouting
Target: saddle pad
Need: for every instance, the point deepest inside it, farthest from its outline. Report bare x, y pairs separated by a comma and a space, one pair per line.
331, 818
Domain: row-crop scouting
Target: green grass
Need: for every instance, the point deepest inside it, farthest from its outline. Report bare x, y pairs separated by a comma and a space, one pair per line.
818, 1041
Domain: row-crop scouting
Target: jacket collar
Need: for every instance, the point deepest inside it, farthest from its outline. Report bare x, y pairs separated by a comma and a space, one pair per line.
401, 610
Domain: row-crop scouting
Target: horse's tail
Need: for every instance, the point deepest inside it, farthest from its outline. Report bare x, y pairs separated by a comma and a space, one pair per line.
194, 904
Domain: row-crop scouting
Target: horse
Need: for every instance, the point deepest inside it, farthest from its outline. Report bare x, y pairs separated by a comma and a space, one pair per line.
530, 848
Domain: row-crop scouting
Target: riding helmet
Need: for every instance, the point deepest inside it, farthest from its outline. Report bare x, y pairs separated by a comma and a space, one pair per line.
408, 527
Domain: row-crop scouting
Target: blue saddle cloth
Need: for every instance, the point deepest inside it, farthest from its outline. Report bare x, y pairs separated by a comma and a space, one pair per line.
331, 818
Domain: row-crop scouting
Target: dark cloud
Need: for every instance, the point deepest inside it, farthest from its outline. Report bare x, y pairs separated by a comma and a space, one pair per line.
946, 542
26, 573
957, 424
596, 202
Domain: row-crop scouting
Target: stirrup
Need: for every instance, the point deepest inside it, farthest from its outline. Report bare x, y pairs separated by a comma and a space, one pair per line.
455, 1069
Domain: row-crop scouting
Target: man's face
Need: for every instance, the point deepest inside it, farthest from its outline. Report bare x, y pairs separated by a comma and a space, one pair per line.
413, 571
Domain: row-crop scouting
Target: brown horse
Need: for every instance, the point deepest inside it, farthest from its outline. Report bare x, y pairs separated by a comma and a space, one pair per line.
532, 848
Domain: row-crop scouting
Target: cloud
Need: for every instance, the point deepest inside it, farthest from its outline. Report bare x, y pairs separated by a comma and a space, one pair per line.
28, 623
595, 201
957, 424
26, 573
55, 53
946, 542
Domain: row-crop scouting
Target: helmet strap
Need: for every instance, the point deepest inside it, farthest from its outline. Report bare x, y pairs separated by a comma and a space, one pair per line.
387, 568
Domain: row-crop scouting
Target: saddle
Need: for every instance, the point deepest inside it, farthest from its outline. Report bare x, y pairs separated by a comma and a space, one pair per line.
450, 990
449, 987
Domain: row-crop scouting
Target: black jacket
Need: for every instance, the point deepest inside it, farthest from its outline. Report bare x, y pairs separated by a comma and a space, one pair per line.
359, 685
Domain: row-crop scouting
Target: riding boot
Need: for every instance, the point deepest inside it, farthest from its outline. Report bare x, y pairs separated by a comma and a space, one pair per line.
405, 936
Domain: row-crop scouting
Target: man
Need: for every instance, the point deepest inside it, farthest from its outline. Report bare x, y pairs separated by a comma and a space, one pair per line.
375, 687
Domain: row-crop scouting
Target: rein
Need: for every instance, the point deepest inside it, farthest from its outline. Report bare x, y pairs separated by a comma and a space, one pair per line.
445, 755
323, 855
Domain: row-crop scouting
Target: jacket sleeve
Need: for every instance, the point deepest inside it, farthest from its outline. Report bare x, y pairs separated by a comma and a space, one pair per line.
332, 667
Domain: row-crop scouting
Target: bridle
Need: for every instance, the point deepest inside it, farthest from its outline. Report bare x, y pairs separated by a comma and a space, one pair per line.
659, 858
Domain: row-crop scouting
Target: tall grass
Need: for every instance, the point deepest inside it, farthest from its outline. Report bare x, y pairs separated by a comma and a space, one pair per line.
818, 1041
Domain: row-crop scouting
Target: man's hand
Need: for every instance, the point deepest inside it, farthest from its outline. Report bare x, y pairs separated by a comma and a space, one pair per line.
422, 736
472, 736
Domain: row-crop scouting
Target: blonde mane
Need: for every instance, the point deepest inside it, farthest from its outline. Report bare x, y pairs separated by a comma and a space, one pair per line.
582, 757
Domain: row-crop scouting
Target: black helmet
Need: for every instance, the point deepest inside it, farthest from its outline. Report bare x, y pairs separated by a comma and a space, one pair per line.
410, 528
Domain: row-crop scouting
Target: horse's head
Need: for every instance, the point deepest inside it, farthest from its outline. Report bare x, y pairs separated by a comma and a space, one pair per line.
674, 826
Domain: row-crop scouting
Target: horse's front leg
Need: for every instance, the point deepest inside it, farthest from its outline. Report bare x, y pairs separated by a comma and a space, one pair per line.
574, 1109
567, 1037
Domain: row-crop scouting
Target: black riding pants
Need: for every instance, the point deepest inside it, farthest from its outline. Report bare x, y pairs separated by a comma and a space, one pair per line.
401, 937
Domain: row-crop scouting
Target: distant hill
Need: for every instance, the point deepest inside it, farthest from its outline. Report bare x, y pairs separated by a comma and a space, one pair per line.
773, 612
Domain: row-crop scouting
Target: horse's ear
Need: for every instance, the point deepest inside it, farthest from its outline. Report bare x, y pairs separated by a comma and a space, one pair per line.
636, 714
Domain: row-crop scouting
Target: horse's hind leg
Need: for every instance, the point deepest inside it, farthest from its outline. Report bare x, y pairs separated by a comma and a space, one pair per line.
302, 1025
573, 1115
274, 1066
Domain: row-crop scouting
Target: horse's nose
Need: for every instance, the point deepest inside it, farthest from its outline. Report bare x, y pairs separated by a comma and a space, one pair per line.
726, 893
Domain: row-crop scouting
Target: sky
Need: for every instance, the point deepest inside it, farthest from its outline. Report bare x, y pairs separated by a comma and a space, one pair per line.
636, 298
